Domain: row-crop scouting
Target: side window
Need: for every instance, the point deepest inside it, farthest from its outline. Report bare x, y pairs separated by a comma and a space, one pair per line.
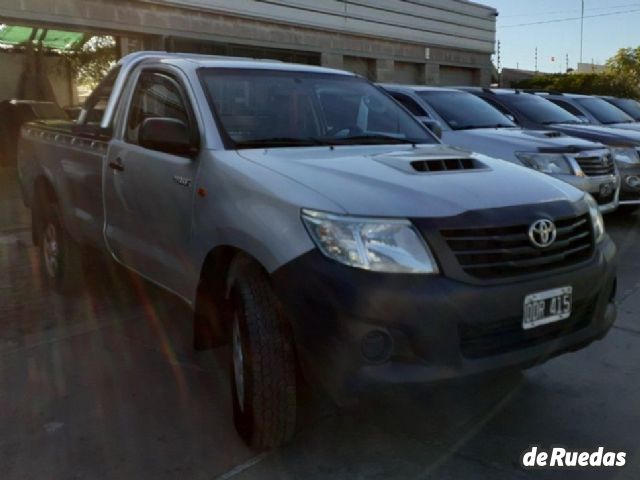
568, 107
410, 104
156, 95
97, 102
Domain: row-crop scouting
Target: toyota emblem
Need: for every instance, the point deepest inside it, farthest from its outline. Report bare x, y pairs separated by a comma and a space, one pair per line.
543, 233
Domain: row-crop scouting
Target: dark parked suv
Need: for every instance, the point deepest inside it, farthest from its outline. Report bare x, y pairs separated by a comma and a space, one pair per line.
592, 110
628, 105
535, 112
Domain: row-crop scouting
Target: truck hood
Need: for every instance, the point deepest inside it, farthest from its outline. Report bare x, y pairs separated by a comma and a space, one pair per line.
600, 133
381, 181
521, 140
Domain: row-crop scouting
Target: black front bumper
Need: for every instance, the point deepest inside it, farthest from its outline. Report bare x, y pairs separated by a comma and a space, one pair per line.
440, 328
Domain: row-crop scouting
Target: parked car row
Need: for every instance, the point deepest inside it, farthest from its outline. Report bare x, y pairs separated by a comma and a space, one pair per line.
583, 140
317, 226
468, 122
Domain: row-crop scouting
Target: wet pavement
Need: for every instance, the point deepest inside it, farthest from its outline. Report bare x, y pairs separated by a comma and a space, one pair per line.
106, 385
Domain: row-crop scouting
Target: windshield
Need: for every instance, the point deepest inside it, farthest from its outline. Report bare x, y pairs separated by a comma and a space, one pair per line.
629, 106
462, 110
272, 108
604, 111
538, 109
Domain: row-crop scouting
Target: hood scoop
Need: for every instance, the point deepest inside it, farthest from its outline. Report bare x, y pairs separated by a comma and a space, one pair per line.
447, 165
545, 133
553, 134
435, 160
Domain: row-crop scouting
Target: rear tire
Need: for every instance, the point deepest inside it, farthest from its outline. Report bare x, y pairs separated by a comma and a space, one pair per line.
61, 256
263, 372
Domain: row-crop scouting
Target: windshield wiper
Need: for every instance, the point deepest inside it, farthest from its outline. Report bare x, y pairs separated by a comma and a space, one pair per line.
568, 122
373, 139
281, 142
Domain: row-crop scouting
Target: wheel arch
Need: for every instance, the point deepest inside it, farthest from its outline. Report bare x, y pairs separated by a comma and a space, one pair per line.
212, 309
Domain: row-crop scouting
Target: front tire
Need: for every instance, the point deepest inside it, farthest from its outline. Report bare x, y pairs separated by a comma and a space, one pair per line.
61, 256
263, 369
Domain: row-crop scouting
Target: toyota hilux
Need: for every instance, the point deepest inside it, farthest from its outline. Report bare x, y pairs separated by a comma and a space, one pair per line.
309, 220
592, 110
535, 112
629, 106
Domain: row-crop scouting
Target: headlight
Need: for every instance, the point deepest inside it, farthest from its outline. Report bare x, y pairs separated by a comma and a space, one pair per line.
380, 245
596, 218
549, 163
625, 155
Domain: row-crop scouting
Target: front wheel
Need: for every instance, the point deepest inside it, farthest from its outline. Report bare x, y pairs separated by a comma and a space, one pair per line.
263, 369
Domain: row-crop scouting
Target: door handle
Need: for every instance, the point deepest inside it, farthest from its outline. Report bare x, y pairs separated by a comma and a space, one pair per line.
116, 165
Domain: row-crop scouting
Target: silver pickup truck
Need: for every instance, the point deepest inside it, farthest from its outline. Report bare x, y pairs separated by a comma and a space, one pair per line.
311, 221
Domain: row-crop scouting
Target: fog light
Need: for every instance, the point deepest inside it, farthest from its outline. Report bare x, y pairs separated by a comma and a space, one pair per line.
377, 346
633, 181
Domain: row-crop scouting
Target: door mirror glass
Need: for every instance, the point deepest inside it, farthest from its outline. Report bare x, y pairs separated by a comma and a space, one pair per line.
433, 126
168, 135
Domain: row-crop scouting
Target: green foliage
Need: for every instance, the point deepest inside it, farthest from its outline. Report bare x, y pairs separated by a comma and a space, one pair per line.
626, 65
587, 83
621, 78
90, 62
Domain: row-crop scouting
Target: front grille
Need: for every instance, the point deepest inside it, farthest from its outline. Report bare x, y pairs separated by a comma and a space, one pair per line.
597, 166
494, 253
495, 338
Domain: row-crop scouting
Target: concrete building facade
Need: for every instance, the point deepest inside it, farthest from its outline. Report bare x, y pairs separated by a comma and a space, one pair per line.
56, 69
438, 42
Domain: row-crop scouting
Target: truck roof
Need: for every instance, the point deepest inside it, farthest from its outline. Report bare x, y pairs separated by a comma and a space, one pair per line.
417, 88
220, 61
494, 91
129, 62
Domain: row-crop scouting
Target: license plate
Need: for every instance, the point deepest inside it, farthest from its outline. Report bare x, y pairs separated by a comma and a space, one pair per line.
547, 307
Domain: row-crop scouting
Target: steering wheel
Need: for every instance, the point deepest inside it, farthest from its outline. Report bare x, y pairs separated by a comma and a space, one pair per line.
351, 131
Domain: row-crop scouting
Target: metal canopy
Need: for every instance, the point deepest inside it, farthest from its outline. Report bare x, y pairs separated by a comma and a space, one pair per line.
11, 36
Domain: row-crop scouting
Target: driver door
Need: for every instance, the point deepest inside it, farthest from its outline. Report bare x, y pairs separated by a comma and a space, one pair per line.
149, 194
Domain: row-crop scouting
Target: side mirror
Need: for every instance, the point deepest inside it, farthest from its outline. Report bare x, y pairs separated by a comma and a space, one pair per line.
433, 125
168, 135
